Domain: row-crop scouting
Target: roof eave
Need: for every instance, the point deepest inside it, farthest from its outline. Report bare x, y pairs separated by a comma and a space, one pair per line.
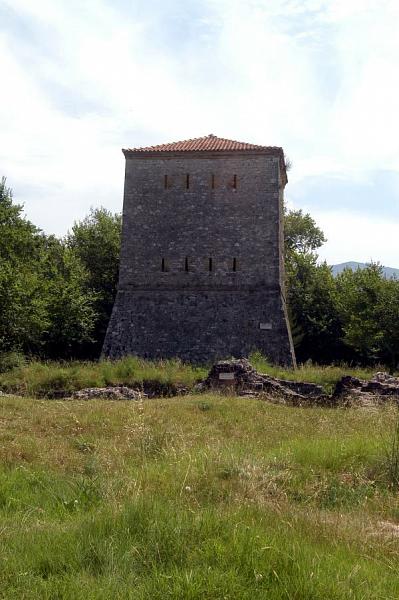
272, 151
133, 153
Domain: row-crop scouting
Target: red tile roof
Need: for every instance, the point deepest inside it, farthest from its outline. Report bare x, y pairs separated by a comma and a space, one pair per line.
209, 143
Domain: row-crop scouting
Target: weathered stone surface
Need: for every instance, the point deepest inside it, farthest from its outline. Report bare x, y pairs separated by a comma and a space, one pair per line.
6, 395
201, 270
381, 384
247, 381
110, 393
303, 388
346, 385
197, 327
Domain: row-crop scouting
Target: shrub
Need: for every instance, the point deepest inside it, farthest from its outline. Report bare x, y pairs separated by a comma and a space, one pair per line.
11, 360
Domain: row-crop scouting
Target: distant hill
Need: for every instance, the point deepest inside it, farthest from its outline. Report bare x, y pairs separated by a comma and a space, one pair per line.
388, 271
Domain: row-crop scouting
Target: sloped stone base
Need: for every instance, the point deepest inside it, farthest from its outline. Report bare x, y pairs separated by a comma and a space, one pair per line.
199, 326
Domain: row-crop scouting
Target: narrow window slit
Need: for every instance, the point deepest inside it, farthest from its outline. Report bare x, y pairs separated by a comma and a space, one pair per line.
210, 264
235, 182
213, 181
187, 181
186, 265
234, 265
163, 266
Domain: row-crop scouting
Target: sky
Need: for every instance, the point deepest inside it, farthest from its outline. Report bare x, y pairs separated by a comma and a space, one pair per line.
81, 79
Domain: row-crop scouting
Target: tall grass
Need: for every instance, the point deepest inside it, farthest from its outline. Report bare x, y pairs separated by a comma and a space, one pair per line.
168, 499
392, 454
46, 378
155, 550
324, 375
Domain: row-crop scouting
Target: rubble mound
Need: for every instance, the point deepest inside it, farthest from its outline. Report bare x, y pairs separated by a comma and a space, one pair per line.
110, 393
239, 375
381, 384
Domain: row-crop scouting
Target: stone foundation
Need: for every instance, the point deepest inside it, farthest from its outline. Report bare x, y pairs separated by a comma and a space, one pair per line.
199, 326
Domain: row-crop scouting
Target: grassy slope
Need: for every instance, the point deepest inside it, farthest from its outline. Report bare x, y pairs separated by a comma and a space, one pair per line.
196, 497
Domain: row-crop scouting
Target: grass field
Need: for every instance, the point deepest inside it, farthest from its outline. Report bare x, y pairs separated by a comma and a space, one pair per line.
197, 497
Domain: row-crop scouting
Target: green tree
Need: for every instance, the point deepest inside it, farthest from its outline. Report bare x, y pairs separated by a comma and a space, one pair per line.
313, 311
387, 314
369, 308
70, 305
96, 242
301, 234
311, 298
22, 306
46, 304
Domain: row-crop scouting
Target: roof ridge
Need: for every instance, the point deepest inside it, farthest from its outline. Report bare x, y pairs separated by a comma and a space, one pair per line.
210, 142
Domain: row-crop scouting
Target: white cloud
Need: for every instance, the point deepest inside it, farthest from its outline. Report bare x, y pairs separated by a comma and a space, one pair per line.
319, 77
352, 236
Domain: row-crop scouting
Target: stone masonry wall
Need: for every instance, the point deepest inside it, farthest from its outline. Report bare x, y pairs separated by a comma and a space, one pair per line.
201, 259
198, 326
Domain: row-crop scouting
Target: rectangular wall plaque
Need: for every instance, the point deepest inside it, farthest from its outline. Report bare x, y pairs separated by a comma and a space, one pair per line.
265, 325
226, 376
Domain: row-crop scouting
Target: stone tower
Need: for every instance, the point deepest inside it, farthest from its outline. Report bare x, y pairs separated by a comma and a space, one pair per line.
201, 268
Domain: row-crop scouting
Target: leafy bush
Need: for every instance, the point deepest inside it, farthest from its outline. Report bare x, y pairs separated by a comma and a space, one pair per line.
11, 360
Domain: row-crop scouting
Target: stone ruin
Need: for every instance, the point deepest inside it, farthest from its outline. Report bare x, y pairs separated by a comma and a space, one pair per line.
240, 377
380, 385
110, 393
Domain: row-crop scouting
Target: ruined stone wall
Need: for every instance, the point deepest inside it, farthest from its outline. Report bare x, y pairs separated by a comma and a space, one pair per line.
201, 259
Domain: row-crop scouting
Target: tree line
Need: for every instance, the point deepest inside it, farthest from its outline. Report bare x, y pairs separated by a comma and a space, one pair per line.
56, 295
